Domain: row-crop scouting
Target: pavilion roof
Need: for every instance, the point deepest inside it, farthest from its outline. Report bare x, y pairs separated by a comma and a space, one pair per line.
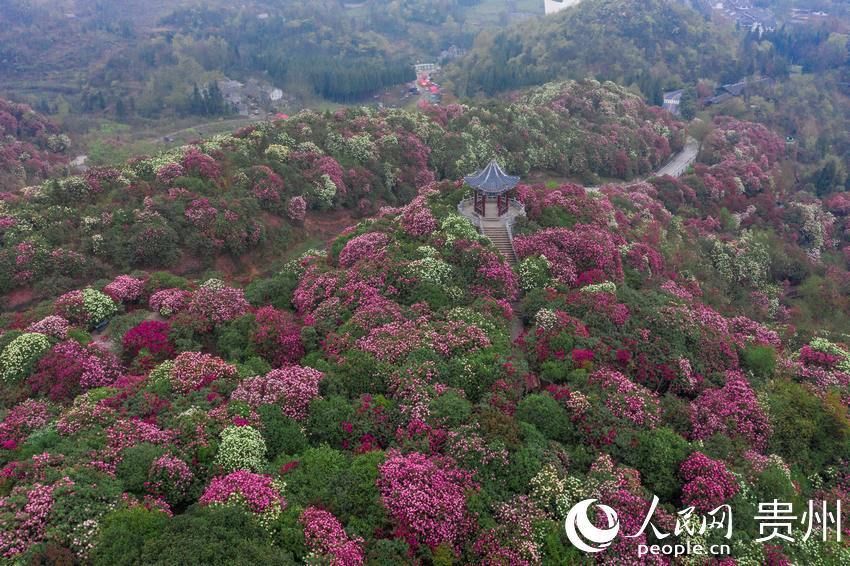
492, 179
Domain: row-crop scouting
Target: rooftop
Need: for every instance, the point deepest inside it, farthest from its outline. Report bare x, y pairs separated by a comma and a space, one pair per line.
492, 179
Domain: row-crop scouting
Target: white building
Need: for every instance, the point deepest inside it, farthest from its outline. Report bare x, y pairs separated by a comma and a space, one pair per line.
555, 6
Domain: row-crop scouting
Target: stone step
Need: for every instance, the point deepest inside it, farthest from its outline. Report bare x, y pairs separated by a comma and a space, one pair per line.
499, 236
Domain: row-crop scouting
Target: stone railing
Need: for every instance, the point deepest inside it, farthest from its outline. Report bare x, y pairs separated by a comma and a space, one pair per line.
466, 205
509, 224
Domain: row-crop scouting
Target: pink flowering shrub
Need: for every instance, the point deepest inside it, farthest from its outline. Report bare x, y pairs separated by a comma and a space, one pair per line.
627, 400
296, 210
572, 251
394, 341
426, 497
257, 492
125, 289
24, 515
325, 537
733, 410
194, 370
498, 273
21, 420
126, 433
169, 301
70, 368
70, 306
417, 219
292, 388
267, 186
513, 539
371, 246
52, 325
170, 478
201, 214
214, 303
708, 484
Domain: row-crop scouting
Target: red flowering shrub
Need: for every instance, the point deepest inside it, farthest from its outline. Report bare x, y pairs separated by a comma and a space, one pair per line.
277, 337
169, 172
150, 336
69, 368
198, 163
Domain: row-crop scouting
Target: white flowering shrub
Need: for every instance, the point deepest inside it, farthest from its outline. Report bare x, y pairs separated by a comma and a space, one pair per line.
277, 152
99, 306
325, 191
430, 270
457, 227
21, 354
546, 319
241, 448
604, 287
534, 273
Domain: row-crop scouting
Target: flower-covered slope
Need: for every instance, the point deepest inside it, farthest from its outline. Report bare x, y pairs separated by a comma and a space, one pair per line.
250, 192
31, 147
368, 405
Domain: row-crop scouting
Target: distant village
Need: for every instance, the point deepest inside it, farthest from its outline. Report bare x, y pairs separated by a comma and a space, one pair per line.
255, 98
760, 20
673, 99
742, 12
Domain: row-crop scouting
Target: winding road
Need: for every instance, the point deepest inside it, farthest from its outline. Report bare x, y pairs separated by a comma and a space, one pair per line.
675, 167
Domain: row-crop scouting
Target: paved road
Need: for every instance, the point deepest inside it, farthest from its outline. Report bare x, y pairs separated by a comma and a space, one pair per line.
676, 167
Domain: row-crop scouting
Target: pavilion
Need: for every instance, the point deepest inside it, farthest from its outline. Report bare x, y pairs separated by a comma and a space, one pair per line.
493, 208
492, 187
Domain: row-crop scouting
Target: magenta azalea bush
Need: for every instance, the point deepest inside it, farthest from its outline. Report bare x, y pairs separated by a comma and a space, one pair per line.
292, 388
426, 497
708, 484
256, 492
325, 536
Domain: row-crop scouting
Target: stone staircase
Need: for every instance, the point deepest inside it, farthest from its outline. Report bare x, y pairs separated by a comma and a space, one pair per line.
498, 234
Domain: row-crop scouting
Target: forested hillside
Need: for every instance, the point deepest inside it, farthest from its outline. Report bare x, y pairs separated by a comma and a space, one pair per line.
249, 192
654, 43
370, 404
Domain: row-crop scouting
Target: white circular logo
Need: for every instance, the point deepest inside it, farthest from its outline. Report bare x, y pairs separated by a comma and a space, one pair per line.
579, 528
